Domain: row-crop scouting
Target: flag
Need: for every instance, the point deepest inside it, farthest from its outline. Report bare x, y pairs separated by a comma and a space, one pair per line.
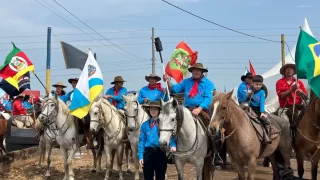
73, 57
23, 83
16, 64
89, 86
180, 60
253, 72
307, 59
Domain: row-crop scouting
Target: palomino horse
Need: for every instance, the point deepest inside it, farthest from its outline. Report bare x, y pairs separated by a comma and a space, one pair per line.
56, 117
244, 146
307, 139
192, 140
135, 117
106, 116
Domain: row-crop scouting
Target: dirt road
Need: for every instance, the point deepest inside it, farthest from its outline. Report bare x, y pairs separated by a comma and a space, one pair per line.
27, 169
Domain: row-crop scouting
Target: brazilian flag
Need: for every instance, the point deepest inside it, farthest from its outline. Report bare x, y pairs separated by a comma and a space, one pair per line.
308, 60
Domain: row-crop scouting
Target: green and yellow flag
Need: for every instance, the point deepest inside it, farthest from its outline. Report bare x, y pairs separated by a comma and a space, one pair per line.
308, 60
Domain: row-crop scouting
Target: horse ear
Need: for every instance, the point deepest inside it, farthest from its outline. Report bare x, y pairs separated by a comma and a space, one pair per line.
161, 102
229, 94
175, 103
136, 96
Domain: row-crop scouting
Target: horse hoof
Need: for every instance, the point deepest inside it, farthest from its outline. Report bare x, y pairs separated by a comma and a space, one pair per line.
93, 170
129, 171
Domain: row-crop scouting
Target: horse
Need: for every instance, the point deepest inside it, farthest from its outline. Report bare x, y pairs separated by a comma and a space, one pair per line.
243, 145
55, 115
104, 115
192, 140
307, 137
3, 132
135, 116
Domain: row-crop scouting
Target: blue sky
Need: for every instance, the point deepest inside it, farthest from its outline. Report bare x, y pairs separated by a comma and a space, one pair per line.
128, 23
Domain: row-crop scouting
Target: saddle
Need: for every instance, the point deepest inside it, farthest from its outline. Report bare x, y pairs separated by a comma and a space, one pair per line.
274, 127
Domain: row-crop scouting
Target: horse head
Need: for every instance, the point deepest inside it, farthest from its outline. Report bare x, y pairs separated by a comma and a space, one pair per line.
50, 109
168, 121
95, 115
219, 109
131, 109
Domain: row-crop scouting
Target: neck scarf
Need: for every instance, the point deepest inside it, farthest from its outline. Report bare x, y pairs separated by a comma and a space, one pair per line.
155, 86
194, 90
154, 122
116, 93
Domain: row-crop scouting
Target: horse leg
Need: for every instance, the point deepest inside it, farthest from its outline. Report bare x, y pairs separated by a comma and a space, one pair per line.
180, 168
113, 154
199, 168
42, 147
240, 170
276, 175
94, 154
136, 163
71, 154
65, 163
49, 147
108, 162
252, 168
99, 160
127, 158
119, 160
314, 167
300, 160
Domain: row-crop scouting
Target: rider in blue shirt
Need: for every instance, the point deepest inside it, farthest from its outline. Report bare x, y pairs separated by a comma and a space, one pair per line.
114, 94
198, 90
257, 103
59, 90
151, 157
244, 89
152, 92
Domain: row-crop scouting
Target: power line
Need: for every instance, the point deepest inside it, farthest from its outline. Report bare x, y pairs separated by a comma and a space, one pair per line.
236, 31
96, 31
241, 29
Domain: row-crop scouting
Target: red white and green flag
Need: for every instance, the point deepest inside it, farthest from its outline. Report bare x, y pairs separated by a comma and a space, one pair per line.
182, 57
16, 65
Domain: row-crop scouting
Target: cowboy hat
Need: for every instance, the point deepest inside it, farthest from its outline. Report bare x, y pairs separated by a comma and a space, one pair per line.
198, 66
153, 75
59, 84
20, 95
118, 79
73, 79
243, 77
283, 68
152, 104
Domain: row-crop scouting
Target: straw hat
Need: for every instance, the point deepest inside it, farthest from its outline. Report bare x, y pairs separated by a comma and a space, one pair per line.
283, 68
73, 79
198, 66
118, 79
20, 95
59, 84
153, 75
243, 77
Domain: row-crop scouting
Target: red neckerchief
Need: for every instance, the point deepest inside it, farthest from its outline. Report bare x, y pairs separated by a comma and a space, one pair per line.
153, 123
194, 90
155, 86
116, 92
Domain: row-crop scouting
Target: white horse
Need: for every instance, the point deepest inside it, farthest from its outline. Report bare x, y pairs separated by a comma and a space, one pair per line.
192, 140
56, 117
135, 117
106, 116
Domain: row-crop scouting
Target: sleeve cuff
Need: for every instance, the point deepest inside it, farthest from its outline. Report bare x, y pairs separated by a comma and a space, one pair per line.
140, 156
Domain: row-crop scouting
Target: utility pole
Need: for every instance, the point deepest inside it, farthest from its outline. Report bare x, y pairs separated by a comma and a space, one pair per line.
153, 53
283, 51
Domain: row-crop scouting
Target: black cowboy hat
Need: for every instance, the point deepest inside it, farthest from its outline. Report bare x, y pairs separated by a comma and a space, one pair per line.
153, 75
73, 79
243, 77
118, 79
283, 68
198, 66
152, 104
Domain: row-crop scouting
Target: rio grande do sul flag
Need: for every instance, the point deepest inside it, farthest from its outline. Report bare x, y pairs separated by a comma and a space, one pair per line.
182, 57
16, 65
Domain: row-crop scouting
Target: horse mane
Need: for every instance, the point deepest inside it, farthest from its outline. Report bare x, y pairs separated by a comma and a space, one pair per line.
106, 102
62, 106
179, 113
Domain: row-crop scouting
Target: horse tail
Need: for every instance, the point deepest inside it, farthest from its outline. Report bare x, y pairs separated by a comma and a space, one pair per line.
207, 172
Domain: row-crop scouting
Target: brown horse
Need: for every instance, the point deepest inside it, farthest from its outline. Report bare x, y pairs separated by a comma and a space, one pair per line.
3, 131
308, 137
244, 144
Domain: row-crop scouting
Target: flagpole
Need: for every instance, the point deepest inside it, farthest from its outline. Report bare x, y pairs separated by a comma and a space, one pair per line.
41, 82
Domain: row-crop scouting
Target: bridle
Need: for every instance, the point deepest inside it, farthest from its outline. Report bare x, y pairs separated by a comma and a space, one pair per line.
135, 116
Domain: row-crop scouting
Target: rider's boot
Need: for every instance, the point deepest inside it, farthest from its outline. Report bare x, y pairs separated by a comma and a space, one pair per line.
266, 139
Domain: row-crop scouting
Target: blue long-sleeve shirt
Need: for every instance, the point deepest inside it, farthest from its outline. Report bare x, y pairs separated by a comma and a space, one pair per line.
65, 98
26, 105
118, 98
8, 106
152, 95
242, 92
203, 97
258, 100
149, 137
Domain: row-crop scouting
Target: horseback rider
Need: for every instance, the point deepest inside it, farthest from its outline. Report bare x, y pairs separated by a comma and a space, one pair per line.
60, 91
152, 92
68, 96
151, 157
286, 88
114, 94
20, 112
256, 102
244, 89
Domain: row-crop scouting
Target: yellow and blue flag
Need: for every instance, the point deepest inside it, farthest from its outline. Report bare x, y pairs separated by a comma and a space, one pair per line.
89, 87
